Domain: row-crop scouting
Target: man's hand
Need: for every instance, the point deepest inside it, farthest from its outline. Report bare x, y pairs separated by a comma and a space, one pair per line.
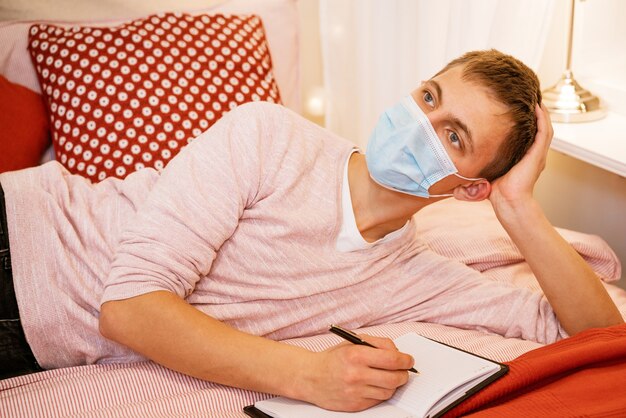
517, 185
349, 377
576, 294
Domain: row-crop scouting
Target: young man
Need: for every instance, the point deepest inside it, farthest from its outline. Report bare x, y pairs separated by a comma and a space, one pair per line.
268, 227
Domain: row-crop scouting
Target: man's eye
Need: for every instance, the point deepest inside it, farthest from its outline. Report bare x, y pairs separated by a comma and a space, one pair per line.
428, 98
455, 140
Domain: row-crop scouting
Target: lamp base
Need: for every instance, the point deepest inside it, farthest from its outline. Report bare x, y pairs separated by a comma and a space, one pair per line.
567, 101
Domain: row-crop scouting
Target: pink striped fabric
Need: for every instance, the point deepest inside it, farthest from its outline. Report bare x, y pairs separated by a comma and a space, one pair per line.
470, 233
146, 389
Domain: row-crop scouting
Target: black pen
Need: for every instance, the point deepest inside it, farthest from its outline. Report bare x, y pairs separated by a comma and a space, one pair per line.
354, 339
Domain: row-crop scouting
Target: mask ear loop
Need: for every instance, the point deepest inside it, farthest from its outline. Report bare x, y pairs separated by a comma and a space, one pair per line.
441, 195
461, 177
469, 178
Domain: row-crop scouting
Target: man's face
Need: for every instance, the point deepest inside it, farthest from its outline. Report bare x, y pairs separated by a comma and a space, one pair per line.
470, 123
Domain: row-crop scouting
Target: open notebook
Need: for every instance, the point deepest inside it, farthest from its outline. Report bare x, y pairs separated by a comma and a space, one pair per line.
446, 376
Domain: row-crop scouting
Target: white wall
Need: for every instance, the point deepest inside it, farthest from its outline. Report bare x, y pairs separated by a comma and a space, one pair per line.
599, 58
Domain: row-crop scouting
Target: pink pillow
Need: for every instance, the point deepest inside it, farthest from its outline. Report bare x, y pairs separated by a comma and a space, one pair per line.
131, 96
24, 132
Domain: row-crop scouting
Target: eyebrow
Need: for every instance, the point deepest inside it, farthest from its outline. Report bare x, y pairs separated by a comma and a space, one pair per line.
455, 121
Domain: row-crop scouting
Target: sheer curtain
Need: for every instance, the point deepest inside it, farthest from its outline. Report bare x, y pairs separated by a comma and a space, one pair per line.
376, 51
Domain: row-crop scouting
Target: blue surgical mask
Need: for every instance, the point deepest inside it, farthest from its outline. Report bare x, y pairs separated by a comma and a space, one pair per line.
404, 153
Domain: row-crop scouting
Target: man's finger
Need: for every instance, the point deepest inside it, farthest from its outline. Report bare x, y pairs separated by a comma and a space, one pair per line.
379, 342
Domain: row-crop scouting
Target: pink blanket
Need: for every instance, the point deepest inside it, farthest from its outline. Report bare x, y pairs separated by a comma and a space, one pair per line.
471, 233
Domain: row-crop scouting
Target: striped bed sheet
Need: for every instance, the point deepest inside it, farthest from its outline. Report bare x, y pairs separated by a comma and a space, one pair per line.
147, 389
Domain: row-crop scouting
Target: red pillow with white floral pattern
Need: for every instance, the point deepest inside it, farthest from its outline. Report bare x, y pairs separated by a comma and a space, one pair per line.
131, 96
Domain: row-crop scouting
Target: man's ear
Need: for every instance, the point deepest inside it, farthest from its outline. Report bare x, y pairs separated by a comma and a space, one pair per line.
473, 192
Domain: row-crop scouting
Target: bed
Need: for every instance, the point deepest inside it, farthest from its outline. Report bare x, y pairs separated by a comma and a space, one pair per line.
269, 34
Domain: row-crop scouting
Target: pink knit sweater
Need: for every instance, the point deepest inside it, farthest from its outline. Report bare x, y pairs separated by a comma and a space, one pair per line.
243, 225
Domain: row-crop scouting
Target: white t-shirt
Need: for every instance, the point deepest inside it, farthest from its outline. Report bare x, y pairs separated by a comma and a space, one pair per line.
349, 238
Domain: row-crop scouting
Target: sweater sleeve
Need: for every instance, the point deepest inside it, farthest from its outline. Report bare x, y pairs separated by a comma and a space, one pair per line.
448, 292
193, 208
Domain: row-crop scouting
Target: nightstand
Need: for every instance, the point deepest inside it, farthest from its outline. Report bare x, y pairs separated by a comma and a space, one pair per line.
601, 143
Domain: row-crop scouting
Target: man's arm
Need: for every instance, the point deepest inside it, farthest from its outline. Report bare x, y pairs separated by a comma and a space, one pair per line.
577, 296
169, 331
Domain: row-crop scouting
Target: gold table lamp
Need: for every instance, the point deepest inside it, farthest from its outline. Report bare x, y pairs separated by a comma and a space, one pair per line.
567, 101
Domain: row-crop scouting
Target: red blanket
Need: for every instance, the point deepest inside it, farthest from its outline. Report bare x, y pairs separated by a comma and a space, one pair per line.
584, 375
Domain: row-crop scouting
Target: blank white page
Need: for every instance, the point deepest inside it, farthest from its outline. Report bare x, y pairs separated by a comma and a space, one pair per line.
289, 408
441, 370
